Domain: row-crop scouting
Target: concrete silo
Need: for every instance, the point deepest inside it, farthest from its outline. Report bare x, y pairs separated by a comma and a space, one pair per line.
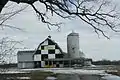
73, 45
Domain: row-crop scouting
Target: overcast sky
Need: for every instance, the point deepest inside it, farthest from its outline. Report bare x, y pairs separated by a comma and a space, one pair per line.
35, 32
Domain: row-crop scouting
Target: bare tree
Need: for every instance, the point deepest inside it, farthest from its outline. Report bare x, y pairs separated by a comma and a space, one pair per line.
97, 13
7, 49
8, 45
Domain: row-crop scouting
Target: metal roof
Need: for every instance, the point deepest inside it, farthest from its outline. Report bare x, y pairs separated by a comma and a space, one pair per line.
27, 51
73, 34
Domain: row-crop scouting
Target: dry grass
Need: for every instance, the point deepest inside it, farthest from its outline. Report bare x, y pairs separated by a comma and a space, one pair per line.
40, 75
114, 70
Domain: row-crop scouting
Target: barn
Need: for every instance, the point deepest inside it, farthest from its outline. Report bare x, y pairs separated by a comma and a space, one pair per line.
48, 49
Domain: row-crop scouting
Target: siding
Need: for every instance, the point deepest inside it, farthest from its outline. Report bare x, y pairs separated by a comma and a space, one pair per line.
25, 59
26, 65
25, 56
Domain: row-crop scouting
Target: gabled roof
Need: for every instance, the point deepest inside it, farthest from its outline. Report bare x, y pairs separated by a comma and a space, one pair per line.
51, 41
26, 52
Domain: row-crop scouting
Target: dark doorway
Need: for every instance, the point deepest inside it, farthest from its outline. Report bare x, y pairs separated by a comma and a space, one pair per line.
37, 64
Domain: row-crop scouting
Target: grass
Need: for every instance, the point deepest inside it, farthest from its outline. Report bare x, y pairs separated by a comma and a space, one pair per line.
41, 75
114, 70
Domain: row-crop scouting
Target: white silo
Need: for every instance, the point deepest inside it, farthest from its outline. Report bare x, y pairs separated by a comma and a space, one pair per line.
73, 45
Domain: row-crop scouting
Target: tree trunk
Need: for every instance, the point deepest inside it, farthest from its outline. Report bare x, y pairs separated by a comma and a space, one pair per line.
2, 4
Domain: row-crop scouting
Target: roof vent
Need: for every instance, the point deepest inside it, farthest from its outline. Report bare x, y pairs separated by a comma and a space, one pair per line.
49, 36
73, 31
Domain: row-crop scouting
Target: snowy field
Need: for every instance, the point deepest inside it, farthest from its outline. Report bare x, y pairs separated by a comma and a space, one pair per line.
69, 73
102, 73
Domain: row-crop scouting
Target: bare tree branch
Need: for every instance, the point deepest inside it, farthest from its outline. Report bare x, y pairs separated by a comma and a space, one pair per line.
96, 13
7, 16
8, 46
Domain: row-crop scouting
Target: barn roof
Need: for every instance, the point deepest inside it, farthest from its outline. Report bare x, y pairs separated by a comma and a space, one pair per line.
49, 38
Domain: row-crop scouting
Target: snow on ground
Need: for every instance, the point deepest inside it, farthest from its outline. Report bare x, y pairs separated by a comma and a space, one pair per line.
19, 78
111, 77
12, 71
69, 71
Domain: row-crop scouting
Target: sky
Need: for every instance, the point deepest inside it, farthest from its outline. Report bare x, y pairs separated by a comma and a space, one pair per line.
34, 32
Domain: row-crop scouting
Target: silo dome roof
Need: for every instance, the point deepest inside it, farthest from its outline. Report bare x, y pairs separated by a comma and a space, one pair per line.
73, 34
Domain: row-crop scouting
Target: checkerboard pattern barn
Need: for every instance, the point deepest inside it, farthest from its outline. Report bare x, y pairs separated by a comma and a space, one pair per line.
48, 49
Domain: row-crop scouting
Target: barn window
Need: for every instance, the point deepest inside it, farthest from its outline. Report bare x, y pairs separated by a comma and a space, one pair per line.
42, 47
44, 56
38, 52
58, 55
51, 51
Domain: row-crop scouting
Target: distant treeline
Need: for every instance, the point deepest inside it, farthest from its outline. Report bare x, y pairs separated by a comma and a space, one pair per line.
106, 62
100, 62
